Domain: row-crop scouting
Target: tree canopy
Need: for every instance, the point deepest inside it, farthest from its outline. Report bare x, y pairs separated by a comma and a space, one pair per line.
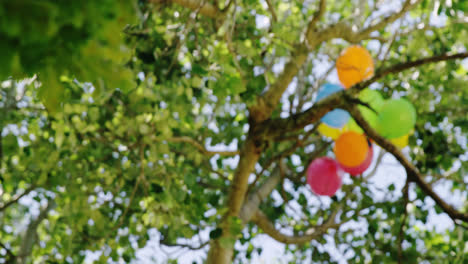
198, 119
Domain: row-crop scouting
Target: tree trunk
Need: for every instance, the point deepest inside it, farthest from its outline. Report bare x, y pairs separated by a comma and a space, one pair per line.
222, 248
219, 254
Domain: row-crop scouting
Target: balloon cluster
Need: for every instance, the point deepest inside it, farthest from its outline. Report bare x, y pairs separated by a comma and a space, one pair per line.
394, 119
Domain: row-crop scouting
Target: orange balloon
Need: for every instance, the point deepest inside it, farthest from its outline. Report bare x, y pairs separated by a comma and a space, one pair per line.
354, 65
351, 149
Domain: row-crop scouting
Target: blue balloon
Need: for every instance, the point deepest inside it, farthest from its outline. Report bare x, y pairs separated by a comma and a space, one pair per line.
338, 117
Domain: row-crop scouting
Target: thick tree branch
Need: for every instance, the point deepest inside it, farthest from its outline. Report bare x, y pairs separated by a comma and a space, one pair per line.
200, 147
17, 198
30, 236
277, 127
262, 221
254, 199
267, 102
412, 172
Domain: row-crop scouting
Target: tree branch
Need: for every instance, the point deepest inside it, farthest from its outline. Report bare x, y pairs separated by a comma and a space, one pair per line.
403, 222
407, 5
200, 147
254, 199
262, 221
266, 103
202, 245
317, 16
10, 254
271, 8
412, 172
277, 127
377, 164
17, 198
30, 236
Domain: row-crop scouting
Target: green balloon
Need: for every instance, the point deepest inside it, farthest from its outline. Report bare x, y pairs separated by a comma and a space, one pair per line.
396, 118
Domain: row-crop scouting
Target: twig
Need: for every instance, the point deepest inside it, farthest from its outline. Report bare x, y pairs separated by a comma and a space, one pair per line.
377, 163
403, 222
199, 146
184, 245
8, 251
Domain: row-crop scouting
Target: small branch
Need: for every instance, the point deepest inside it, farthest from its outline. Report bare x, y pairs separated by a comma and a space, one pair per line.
132, 196
407, 5
17, 198
317, 16
377, 163
412, 172
403, 222
184, 245
262, 221
315, 154
199, 146
10, 254
408, 65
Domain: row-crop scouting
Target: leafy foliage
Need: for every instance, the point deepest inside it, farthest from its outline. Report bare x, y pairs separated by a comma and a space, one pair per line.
138, 112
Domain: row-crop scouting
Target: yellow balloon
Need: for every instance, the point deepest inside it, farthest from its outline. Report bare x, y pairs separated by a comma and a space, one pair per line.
400, 142
331, 132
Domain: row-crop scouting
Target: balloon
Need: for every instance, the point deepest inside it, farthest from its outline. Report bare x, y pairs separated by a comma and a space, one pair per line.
400, 142
324, 176
336, 118
354, 65
331, 132
351, 149
355, 171
396, 119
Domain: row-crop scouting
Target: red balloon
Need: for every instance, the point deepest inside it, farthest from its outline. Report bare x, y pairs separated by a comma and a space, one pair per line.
324, 176
356, 171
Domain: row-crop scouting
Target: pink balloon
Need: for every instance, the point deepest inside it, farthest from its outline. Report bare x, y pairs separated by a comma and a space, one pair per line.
356, 171
324, 176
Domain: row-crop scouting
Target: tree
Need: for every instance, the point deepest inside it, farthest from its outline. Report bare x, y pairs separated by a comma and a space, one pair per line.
211, 124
